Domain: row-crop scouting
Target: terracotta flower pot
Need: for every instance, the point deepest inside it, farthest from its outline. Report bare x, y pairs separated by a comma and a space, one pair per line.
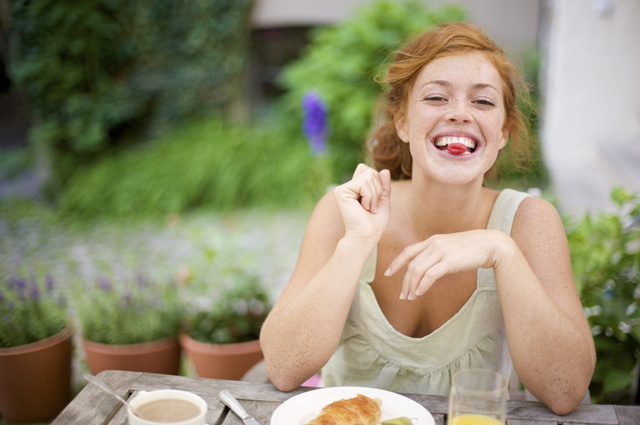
162, 356
35, 379
222, 361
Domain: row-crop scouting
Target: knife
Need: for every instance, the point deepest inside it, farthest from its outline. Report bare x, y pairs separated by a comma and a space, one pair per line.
227, 398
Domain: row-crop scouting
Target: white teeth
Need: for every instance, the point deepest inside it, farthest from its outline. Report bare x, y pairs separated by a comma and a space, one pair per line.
446, 141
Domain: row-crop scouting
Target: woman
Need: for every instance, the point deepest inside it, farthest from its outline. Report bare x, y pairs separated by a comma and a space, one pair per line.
400, 284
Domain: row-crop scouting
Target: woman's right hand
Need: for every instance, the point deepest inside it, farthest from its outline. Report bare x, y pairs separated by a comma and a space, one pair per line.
364, 203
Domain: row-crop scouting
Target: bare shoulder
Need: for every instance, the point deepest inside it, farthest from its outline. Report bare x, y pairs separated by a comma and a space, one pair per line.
537, 227
535, 212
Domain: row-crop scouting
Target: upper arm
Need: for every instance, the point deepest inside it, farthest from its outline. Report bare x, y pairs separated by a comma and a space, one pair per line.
540, 235
323, 231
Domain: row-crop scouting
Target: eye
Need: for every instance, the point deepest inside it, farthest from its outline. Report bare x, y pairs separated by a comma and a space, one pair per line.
484, 102
434, 98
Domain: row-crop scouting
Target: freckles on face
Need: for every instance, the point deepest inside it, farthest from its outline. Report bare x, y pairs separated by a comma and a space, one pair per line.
454, 118
456, 93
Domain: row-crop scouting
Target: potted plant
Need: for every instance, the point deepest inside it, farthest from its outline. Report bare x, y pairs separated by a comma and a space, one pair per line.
131, 325
35, 350
222, 341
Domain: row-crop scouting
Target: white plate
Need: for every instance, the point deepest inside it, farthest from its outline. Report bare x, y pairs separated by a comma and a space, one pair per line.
305, 407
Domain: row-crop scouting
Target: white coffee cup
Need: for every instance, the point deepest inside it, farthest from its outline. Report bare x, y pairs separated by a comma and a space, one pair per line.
146, 397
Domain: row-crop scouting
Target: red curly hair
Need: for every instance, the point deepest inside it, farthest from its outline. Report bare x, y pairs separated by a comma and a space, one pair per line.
386, 149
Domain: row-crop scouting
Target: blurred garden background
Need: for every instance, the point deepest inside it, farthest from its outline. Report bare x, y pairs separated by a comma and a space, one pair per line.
154, 145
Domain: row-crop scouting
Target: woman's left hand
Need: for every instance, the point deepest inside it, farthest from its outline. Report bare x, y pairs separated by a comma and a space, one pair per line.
440, 255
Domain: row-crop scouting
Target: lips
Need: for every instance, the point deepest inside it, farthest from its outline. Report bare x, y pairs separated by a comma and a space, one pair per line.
456, 145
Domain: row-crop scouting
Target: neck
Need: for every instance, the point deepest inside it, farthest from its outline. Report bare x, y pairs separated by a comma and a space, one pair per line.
435, 208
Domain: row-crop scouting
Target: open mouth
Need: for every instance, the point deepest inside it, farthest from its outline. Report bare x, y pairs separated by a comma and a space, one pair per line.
456, 145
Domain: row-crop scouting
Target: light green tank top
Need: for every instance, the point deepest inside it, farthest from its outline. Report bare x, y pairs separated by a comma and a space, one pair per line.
371, 353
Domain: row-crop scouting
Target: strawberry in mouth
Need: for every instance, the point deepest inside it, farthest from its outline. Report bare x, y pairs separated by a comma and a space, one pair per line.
456, 145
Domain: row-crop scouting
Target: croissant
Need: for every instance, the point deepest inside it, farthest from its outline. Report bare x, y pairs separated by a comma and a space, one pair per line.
360, 410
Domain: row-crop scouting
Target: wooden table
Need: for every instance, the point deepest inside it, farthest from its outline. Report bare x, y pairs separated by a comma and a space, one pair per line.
92, 406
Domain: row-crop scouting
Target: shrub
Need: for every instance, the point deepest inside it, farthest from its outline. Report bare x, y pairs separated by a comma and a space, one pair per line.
207, 162
340, 63
508, 174
102, 74
605, 255
14, 161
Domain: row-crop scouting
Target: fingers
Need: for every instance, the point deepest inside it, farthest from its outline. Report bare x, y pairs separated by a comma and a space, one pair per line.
426, 264
444, 254
417, 284
424, 268
369, 186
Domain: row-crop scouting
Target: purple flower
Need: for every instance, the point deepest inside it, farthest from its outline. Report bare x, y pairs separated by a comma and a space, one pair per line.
18, 284
49, 283
105, 285
315, 122
34, 291
142, 282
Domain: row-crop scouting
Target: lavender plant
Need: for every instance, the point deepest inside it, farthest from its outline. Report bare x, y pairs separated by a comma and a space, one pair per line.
315, 122
130, 312
30, 310
235, 316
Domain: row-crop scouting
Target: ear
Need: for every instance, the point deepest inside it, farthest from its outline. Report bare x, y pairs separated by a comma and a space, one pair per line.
401, 128
504, 138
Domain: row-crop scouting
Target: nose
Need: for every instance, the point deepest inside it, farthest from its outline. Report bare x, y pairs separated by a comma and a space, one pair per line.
458, 112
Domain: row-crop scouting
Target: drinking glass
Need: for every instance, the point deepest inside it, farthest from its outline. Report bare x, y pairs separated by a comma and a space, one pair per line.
478, 397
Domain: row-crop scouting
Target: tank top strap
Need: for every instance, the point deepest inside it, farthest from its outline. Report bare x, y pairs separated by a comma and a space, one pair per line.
501, 218
504, 210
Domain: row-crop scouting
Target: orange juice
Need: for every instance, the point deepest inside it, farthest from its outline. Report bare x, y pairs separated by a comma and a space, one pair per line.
474, 420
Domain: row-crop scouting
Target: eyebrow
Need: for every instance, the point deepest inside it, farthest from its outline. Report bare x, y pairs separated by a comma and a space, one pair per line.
446, 83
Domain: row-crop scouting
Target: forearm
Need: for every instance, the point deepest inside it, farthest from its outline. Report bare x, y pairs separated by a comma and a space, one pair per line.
304, 329
551, 350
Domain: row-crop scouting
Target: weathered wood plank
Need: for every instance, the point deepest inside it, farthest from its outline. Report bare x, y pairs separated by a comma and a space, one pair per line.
584, 413
439, 418
628, 415
92, 406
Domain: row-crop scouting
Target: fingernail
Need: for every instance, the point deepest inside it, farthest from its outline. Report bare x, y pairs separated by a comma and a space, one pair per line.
403, 295
387, 272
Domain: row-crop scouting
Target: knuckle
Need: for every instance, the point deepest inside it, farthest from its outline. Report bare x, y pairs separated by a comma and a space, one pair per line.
413, 267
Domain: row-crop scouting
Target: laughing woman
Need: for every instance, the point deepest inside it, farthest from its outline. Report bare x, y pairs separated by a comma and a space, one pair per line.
414, 270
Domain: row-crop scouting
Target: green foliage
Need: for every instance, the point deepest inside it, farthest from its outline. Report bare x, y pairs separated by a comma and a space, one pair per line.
129, 311
605, 252
340, 63
100, 74
508, 173
14, 161
236, 316
30, 310
208, 162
